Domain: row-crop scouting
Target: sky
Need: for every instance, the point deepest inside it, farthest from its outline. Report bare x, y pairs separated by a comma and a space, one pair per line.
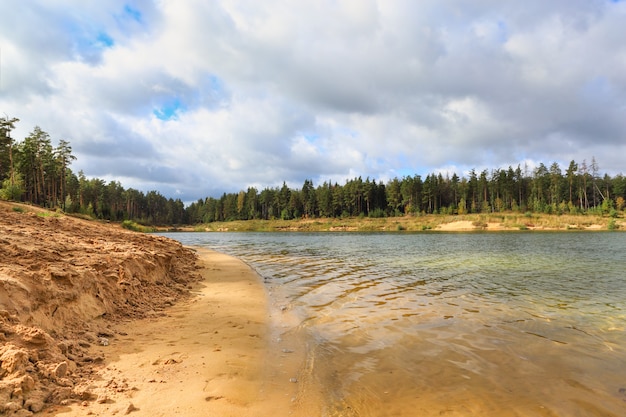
194, 98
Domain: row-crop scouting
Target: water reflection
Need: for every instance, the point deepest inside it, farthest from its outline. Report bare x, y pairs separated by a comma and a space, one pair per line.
449, 324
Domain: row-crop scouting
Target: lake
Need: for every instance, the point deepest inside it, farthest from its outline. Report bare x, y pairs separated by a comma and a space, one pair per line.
454, 324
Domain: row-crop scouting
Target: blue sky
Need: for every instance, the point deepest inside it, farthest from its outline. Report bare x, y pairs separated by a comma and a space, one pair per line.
195, 98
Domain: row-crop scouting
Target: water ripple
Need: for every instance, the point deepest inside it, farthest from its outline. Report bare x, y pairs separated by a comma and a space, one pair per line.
403, 321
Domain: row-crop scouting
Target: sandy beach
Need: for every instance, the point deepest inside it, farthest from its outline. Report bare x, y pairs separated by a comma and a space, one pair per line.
210, 355
97, 320
206, 356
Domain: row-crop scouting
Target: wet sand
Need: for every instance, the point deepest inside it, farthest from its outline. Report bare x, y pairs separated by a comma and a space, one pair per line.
210, 355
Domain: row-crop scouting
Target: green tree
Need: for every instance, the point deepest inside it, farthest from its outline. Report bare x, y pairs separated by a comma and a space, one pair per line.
64, 155
7, 169
571, 178
324, 197
308, 199
252, 203
35, 152
555, 183
394, 197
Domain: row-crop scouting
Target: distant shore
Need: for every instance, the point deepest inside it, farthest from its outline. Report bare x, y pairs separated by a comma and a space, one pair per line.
442, 223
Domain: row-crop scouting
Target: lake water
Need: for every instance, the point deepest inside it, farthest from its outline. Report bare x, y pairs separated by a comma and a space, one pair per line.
453, 324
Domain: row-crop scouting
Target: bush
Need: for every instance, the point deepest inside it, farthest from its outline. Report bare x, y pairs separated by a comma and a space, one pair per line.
377, 213
612, 225
131, 225
12, 192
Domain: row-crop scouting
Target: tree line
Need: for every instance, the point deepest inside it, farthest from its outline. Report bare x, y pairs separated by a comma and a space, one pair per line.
578, 189
37, 172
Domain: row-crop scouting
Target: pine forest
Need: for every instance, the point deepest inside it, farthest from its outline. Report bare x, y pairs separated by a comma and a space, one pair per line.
37, 172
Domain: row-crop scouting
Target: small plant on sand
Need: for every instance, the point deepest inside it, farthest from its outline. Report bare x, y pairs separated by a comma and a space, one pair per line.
479, 224
18, 209
612, 225
48, 214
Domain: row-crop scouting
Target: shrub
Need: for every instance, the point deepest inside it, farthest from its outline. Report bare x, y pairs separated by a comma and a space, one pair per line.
377, 213
12, 191
131, 225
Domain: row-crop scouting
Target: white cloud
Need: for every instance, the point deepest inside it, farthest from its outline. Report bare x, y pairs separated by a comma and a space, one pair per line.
197, 98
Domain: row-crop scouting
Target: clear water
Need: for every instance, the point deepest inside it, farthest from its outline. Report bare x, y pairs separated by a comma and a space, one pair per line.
459, 324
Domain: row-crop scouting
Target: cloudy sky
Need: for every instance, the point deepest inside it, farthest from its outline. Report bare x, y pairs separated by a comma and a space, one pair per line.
197, 97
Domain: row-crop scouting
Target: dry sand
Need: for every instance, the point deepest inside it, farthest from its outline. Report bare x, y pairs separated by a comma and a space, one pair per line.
65, 284
97, 320
205, 357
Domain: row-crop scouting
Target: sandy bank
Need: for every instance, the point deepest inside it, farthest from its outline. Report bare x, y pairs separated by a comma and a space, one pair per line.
206, 356
65, 283
219, 353
97, 320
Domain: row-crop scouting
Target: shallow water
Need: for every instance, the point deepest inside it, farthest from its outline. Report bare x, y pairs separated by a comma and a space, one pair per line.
459, 324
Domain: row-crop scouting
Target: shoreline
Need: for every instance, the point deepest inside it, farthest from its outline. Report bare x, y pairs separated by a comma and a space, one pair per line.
213, 354
504, 222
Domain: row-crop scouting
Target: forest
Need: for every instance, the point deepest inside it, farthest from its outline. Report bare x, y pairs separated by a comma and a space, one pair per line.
36, 172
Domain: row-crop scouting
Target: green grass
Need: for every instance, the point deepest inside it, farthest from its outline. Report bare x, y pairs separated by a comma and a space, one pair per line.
48, 214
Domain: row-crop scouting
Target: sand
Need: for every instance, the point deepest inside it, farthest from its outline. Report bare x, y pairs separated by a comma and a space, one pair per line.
204, 357
97, 321
65, 284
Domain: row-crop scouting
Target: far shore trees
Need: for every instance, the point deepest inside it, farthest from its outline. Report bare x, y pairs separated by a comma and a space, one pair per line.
37, 172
